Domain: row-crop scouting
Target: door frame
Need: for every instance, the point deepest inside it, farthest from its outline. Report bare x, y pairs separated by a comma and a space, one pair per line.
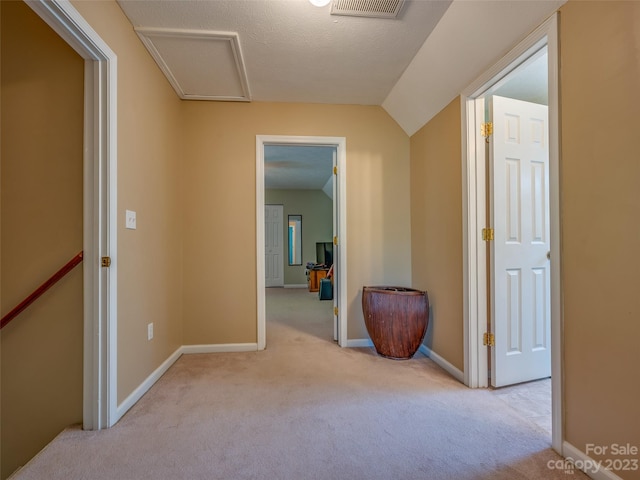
99, 209
476, 367
341, 270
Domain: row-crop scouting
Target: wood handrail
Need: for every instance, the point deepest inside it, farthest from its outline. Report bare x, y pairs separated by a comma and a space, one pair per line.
55, 278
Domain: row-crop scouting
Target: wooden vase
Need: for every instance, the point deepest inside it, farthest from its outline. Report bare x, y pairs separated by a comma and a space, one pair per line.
396, 319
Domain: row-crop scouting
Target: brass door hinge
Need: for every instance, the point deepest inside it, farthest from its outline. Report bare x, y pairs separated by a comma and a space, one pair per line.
487, 234
335, 240
335, 311
486, 130
335, 170
106, 261
489, 340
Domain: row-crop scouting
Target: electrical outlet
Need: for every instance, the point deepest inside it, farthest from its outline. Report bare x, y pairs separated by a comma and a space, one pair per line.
130, 219
150, 331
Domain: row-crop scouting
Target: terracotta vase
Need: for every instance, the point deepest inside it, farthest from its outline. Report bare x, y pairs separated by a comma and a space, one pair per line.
396, 319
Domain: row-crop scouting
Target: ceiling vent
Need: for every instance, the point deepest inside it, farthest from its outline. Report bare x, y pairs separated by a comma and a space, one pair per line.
367, 8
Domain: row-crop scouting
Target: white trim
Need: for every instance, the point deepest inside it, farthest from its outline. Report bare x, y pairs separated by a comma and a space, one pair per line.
144, 387
220, 348
341, 271
99, 208
442, 363
571, 453
296, 285
474, 201
557, 339
260, 249
359, 343
473, 253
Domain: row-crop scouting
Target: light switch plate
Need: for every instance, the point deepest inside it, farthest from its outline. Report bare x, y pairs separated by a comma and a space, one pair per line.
130, 219
150, 331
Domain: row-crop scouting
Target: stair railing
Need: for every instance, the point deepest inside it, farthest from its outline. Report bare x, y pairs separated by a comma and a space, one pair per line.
55, 278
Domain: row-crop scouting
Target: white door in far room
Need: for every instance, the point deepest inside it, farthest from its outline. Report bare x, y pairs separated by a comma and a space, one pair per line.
521, 303
273, 245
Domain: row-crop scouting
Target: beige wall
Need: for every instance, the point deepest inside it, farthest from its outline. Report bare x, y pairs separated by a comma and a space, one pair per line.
149, 259
42, 111
316, 209
219, 139
436, 229
600, 177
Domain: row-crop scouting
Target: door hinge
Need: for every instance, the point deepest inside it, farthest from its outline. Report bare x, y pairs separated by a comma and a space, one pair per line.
487, 234
106, 261
335, 240
486, 130
488, 339
335, 170
335, 311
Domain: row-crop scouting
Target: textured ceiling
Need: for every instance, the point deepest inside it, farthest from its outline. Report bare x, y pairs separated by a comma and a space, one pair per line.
299, 167
292, 51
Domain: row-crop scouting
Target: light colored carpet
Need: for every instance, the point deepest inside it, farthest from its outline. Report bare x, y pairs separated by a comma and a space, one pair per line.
305, 409
532, 400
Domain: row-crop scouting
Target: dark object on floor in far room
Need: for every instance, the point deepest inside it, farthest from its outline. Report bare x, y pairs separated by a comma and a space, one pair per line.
396, 319
325, 292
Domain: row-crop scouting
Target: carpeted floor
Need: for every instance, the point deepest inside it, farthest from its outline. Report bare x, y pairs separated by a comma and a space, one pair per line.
305, 409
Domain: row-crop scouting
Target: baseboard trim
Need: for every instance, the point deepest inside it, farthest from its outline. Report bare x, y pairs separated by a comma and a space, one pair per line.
297, 285
581, 461
442, 363
359, 343
144, 387
220, 348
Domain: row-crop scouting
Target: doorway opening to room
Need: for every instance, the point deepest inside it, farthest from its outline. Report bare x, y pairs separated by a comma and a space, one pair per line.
519, 290
88, 228
100, 409
301, 237
512, 231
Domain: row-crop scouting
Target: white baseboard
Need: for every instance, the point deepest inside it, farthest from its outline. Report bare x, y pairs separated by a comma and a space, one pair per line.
220, 348
442, 363
297, 285
144, 387
359, 343
581, 461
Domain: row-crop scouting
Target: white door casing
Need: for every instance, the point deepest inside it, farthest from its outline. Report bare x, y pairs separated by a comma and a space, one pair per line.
336, 253
520, 273
100, 209
273, 245
339, 250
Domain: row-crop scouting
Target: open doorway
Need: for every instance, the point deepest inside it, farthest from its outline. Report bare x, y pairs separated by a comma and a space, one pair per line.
299, 266
485, 297
100, 409
517, 187
298, 242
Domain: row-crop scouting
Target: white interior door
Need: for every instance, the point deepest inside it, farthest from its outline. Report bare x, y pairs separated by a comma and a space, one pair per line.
273, 245
520, 271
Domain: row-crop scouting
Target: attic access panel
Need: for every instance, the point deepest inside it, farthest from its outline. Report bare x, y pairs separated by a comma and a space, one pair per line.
199, 64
